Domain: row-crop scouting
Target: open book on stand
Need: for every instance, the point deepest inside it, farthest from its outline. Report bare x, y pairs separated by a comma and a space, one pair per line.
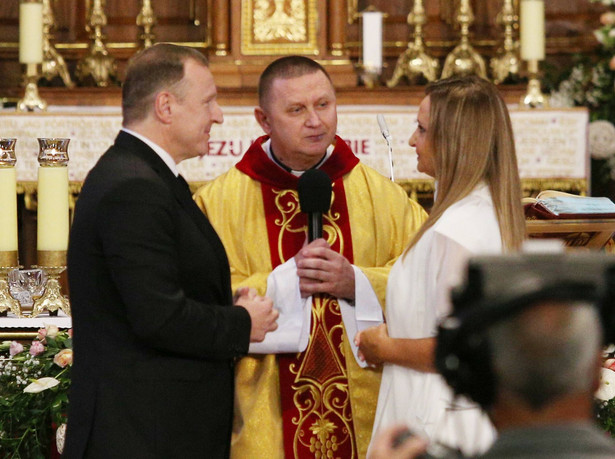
550, 204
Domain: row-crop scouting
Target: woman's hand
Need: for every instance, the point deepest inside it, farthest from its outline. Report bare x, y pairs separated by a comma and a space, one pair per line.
373, 344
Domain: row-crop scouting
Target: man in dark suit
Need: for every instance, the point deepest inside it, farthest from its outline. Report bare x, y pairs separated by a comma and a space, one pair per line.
156, 328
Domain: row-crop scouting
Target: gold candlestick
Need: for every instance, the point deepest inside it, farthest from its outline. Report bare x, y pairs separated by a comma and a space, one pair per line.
534, 98
52, 300
31, 99
31, 52
98, 64
506, 64
8, 263
464, 60
53, 63
147, 20
414, 63
52, 238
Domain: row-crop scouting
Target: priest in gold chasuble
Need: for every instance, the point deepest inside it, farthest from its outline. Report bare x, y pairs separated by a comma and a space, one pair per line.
303, 393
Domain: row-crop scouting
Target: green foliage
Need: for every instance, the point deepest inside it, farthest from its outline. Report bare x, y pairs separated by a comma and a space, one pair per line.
605, 413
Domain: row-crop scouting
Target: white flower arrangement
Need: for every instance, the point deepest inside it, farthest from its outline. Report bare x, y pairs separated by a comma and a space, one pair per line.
34, 382
602, 143
591, 84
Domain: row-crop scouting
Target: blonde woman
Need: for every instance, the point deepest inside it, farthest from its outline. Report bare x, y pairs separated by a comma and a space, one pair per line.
464, 140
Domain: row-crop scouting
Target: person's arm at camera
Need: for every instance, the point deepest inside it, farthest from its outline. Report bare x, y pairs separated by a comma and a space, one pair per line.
386, 446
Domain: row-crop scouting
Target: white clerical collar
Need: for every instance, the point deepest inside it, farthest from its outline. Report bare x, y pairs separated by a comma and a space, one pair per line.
267, 148
167, 158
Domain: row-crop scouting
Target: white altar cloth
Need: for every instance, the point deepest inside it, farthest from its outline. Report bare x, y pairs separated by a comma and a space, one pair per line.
12, 321
551, 143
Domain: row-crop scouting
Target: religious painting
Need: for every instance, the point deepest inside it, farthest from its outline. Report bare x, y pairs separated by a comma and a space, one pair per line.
279, 27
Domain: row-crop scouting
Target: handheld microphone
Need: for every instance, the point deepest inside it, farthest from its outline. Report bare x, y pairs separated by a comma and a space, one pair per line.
387, 136
314, 188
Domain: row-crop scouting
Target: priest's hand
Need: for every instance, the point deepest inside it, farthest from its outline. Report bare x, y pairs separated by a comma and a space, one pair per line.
372, 343
322, 270
262, 313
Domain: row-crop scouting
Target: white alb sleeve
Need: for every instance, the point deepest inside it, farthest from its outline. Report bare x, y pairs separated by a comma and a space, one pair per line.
293, 332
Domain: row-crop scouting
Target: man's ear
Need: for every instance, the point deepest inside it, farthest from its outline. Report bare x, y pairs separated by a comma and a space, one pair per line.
163, 106
262, 119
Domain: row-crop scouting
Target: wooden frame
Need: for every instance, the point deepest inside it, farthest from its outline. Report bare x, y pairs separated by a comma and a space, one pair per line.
587, 233
260, 38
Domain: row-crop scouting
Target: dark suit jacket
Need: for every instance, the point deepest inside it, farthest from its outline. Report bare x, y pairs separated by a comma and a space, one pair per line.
155, 335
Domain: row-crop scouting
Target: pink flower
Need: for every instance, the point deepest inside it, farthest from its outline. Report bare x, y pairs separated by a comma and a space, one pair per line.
610, 364
42, 332
63, 358
15, 348
607, 18
612, 63
70, 332
36, 348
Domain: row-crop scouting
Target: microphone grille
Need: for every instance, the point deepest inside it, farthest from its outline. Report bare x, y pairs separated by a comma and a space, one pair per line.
314, 188
383, 125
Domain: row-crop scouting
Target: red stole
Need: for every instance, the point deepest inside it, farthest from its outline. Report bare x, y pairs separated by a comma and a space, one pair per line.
316, 411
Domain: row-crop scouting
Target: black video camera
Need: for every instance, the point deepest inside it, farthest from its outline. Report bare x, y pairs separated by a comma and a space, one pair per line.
498, 287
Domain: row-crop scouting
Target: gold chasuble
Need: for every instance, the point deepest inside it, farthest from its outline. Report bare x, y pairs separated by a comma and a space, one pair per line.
316, 403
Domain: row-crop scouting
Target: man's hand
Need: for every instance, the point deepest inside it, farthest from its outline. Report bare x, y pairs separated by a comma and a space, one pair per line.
372, 343
322, 270
244, 292
262, 313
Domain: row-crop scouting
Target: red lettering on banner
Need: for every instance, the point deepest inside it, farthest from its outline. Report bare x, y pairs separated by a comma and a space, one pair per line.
215, 147
235, 147
225, 148
359, 146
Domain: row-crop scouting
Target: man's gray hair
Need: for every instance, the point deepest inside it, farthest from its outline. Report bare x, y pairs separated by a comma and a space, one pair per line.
548, 351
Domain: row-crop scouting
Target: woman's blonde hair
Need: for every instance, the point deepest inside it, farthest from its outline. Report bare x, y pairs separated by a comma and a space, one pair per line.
472, 141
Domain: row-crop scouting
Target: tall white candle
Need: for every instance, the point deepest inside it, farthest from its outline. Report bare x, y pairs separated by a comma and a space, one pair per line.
52, 208
532, 25
372, 39
8, 209
30, 32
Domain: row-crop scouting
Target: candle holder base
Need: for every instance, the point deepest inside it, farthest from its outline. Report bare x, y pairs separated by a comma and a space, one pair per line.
7, 302
534, 98
369, 76
505, 67
415, 65
464, 60
31, 99
52, 300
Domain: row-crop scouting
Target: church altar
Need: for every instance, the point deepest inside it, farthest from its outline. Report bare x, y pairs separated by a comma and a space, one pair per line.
551, 143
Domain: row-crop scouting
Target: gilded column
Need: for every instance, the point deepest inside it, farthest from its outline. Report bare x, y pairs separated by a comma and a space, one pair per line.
220, 27
337, 27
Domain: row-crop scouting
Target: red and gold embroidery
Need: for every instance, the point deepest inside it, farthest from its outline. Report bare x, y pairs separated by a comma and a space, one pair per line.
316, 411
